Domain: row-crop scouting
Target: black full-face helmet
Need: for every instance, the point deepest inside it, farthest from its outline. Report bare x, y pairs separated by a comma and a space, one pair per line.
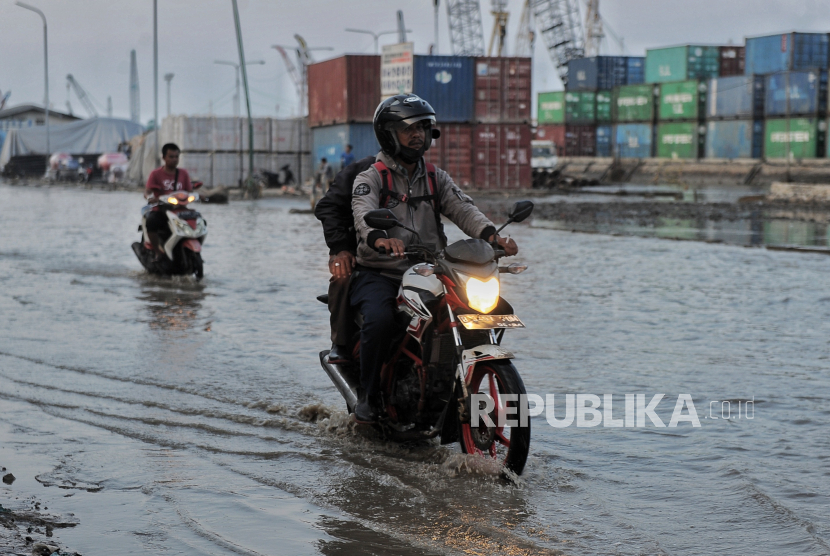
397, 113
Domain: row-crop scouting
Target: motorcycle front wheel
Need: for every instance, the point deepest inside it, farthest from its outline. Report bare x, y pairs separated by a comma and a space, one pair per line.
507, 445
195, 264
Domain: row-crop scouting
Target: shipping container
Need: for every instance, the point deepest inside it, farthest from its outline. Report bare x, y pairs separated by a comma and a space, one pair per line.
734, 139
604, 107
681, 63
732, 60
685, 140
447, 83
453, 152
551, 108
633, 103
290, 135
580, 107
633, 140
807, 93
552, 132
683, 100
739, 96
604, 72
580, 140
502, 90
224, 134
790, 51
502, 156
604, 147
805, 137
330, 142
636, 70
228, 169
343, 90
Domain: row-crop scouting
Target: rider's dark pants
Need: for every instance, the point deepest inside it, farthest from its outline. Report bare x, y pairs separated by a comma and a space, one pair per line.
374, 295
341, 319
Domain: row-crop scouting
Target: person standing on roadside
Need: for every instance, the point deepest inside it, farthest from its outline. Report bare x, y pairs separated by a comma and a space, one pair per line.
346, 158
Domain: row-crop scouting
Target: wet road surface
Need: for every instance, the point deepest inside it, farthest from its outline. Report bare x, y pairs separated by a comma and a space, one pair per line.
172, 417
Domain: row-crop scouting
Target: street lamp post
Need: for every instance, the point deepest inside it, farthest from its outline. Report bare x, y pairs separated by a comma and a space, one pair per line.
375, 36
168, 77
45, 72
156, 127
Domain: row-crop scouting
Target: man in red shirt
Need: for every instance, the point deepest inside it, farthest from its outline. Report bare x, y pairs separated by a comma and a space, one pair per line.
162, 181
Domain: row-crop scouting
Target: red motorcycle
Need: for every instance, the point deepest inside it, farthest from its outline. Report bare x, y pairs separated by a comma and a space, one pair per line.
452, 321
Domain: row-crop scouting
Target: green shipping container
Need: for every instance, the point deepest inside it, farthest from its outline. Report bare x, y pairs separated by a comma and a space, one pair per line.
604, 107
633, 103
580, 107
679, 140
680, 63
685, 100
551, 108
806, 138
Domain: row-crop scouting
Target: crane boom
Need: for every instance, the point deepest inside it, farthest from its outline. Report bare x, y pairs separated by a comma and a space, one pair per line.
561, 29
525, 35
466, 31
83, 96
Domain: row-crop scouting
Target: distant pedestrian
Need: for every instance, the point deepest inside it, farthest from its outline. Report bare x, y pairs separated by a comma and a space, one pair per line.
322, 180
346, 158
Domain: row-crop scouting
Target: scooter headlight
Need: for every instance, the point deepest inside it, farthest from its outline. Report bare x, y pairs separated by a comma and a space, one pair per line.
483, 296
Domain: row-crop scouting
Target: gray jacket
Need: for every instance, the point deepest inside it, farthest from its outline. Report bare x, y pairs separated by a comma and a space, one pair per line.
455, 205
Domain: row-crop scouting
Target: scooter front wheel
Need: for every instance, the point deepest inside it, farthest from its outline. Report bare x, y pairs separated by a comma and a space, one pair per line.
508, 445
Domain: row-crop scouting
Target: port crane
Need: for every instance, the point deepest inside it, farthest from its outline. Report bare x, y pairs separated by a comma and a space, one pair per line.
83, 96
304, 59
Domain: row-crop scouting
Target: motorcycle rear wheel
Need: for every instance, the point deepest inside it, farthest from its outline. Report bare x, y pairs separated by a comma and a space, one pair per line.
508, 446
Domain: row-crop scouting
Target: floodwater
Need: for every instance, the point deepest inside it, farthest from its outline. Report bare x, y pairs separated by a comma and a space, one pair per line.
179, 418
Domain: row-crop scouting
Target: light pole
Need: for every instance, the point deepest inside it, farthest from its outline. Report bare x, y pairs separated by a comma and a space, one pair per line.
376, 36
168, 77
435, 5
236, 97
45, 73
156, 126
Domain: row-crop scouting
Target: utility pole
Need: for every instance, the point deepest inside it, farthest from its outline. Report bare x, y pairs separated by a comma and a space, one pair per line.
787, 88
251, 185
45, 73
168, 77
109, 107
156, 81
435, 5
135, 103
236, 109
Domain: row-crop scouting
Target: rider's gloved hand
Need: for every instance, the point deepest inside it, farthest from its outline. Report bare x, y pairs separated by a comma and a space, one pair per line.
341, 264
509, 246
394, 247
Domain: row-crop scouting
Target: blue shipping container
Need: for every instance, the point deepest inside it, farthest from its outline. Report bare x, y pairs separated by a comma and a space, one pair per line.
729, 139
603, 72
448, 84
330, 142
807, 93
739, 96
604, 140
636, 70
791, 51
633, 140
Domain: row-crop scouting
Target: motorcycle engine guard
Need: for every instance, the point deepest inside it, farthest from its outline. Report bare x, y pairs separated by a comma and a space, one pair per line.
193, 245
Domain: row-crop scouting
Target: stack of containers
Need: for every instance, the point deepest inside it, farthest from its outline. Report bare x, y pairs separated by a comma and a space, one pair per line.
501, 137
680, 131
550, 116
732, 60
343, 94
633, 111
588, 113
795, 70
735, 114
214, 149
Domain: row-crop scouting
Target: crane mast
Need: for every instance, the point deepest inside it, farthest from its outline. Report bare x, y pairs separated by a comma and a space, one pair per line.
593, 29
466, 32
559, 23
83, 96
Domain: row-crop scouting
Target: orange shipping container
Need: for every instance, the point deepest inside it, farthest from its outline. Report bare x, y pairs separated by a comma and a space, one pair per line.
343, 90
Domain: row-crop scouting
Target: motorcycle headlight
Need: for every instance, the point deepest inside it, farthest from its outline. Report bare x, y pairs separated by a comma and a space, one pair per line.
483, 296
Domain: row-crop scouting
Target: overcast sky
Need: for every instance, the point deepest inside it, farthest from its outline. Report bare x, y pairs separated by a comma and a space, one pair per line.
92, 39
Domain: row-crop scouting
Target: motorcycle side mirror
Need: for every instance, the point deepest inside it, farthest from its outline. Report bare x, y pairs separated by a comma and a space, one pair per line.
381, 219
520, 211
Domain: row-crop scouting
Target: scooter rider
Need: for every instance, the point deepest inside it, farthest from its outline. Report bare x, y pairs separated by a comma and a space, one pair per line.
164, 180
418, 193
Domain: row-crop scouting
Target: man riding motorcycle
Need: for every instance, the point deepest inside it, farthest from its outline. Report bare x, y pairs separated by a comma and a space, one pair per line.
162, 181
418, 193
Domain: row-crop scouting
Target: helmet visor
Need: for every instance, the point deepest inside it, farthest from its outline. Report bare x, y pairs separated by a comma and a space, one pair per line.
427, 121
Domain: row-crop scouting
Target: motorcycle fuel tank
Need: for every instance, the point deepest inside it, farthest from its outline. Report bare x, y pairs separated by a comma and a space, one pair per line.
413, 280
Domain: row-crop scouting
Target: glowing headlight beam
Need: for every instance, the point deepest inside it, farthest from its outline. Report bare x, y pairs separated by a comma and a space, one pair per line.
483, 296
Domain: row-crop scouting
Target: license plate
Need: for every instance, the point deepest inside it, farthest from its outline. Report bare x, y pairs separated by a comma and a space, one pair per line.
479, 322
